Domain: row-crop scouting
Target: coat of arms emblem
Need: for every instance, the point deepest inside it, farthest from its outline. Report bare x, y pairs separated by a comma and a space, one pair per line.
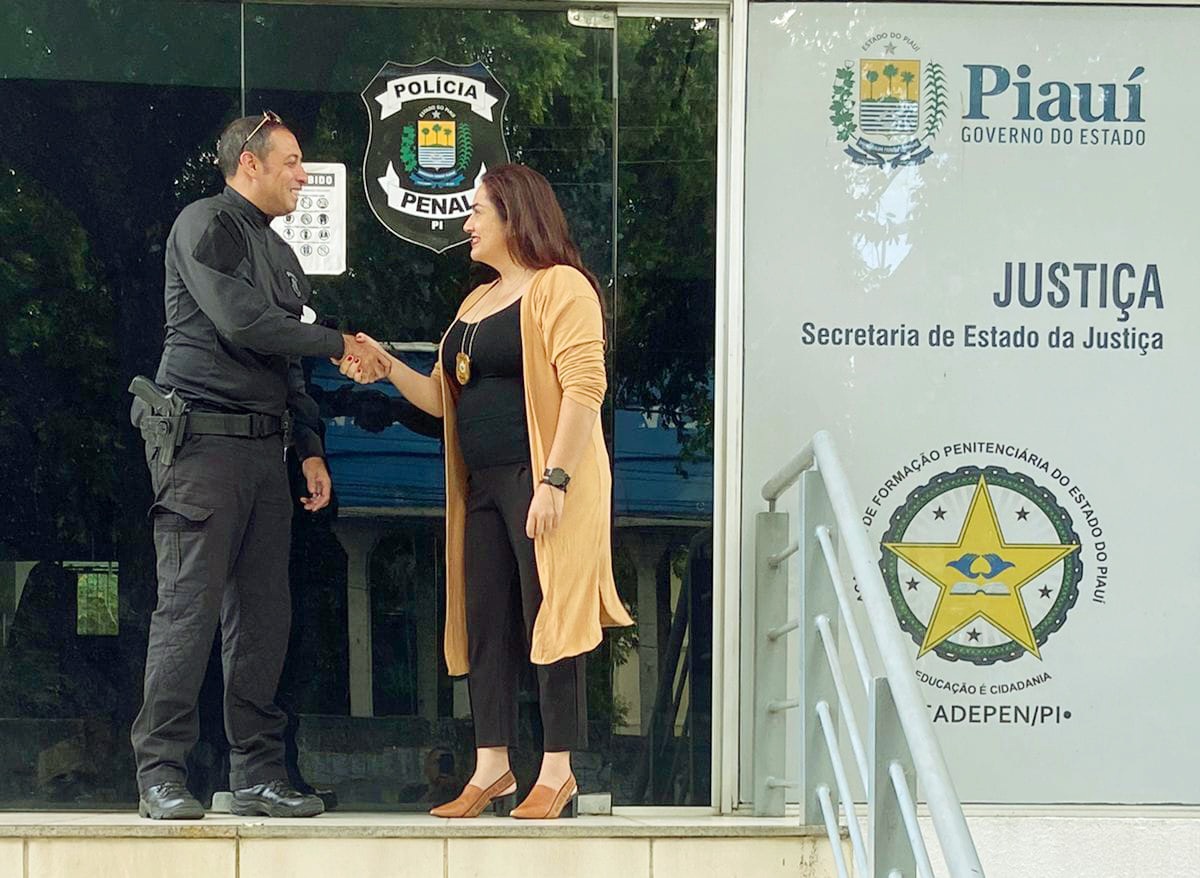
436, 128
901, 104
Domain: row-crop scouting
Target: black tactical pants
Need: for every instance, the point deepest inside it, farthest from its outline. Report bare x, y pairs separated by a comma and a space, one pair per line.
503, 596
222, 528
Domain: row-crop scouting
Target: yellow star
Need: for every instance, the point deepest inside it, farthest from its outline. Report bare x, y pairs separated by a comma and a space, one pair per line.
990, 588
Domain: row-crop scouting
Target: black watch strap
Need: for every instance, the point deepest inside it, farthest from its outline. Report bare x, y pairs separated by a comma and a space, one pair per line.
556, 478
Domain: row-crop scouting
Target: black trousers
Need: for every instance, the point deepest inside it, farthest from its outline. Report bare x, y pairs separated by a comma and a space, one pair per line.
222, 531
503, 596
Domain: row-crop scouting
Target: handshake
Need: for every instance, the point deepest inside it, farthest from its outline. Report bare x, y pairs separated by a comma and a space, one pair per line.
363, 359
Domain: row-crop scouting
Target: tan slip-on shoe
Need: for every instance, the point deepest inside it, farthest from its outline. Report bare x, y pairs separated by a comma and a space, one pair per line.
547, 803
472, 801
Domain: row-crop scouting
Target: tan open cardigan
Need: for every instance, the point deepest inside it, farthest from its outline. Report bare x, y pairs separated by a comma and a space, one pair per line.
562, 342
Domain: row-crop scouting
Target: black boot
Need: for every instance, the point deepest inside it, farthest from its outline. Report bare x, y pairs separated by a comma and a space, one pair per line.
169, 800
275, 798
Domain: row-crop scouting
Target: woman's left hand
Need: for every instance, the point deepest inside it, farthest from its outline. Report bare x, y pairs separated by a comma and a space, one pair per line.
545, 511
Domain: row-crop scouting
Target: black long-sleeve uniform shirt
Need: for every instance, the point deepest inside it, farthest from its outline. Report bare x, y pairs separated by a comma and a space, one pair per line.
234, 297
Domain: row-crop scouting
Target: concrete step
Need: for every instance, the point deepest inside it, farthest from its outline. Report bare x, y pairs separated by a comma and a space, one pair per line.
349, 845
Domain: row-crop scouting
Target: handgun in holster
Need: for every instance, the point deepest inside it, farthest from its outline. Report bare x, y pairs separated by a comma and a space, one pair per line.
166, 425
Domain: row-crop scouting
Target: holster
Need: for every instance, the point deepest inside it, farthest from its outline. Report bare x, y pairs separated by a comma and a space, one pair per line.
165, 426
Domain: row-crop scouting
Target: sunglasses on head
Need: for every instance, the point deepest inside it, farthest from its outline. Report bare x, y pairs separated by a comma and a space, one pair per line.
268, 116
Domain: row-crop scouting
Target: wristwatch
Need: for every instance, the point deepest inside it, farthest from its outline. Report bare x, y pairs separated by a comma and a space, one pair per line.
556, 478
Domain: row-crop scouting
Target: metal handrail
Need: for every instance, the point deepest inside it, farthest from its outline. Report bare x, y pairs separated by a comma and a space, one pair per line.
857, 847
839, 681
908, 811
944, 806
839, 585
829, 812
954, 836
788, 476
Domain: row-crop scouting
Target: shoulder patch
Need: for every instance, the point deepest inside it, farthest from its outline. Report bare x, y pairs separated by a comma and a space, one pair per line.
222, 247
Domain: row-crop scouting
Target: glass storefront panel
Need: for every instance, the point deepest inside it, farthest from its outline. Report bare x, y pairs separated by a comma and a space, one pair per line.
662, 380
111, 113
106, 146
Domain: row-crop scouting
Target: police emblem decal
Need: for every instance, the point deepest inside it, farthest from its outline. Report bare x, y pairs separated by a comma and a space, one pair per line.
982, 565
901, 104
436, 128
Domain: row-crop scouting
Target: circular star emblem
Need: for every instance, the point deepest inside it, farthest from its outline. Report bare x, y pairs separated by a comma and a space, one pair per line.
982, 564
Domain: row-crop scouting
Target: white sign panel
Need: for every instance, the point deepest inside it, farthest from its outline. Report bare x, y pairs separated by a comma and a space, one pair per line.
316, 229
971, 257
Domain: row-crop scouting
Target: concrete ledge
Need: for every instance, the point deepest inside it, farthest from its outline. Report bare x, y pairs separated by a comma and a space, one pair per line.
372, 825
106, 857
91, 845
12, 856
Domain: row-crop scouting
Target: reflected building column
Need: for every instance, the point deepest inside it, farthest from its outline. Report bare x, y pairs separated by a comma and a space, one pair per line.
358, 538
427, 638
645, 547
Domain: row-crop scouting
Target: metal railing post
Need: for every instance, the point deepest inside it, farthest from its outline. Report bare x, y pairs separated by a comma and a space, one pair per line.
816, 598
890, 851
895, 652
770, 663
903, 745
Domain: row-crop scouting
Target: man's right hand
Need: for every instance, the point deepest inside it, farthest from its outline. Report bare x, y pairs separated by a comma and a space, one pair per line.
367, 362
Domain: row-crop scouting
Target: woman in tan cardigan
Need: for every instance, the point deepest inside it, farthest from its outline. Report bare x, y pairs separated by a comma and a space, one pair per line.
519, 382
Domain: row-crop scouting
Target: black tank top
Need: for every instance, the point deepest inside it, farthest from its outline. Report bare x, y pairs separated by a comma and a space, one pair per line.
492, 429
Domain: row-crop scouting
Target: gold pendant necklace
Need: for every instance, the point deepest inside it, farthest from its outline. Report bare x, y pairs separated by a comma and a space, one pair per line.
462, 368
462, 360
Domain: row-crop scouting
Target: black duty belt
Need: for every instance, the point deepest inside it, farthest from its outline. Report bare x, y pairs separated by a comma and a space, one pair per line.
253, 426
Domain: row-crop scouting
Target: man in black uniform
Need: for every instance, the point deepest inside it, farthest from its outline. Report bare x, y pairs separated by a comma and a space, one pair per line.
236, 326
